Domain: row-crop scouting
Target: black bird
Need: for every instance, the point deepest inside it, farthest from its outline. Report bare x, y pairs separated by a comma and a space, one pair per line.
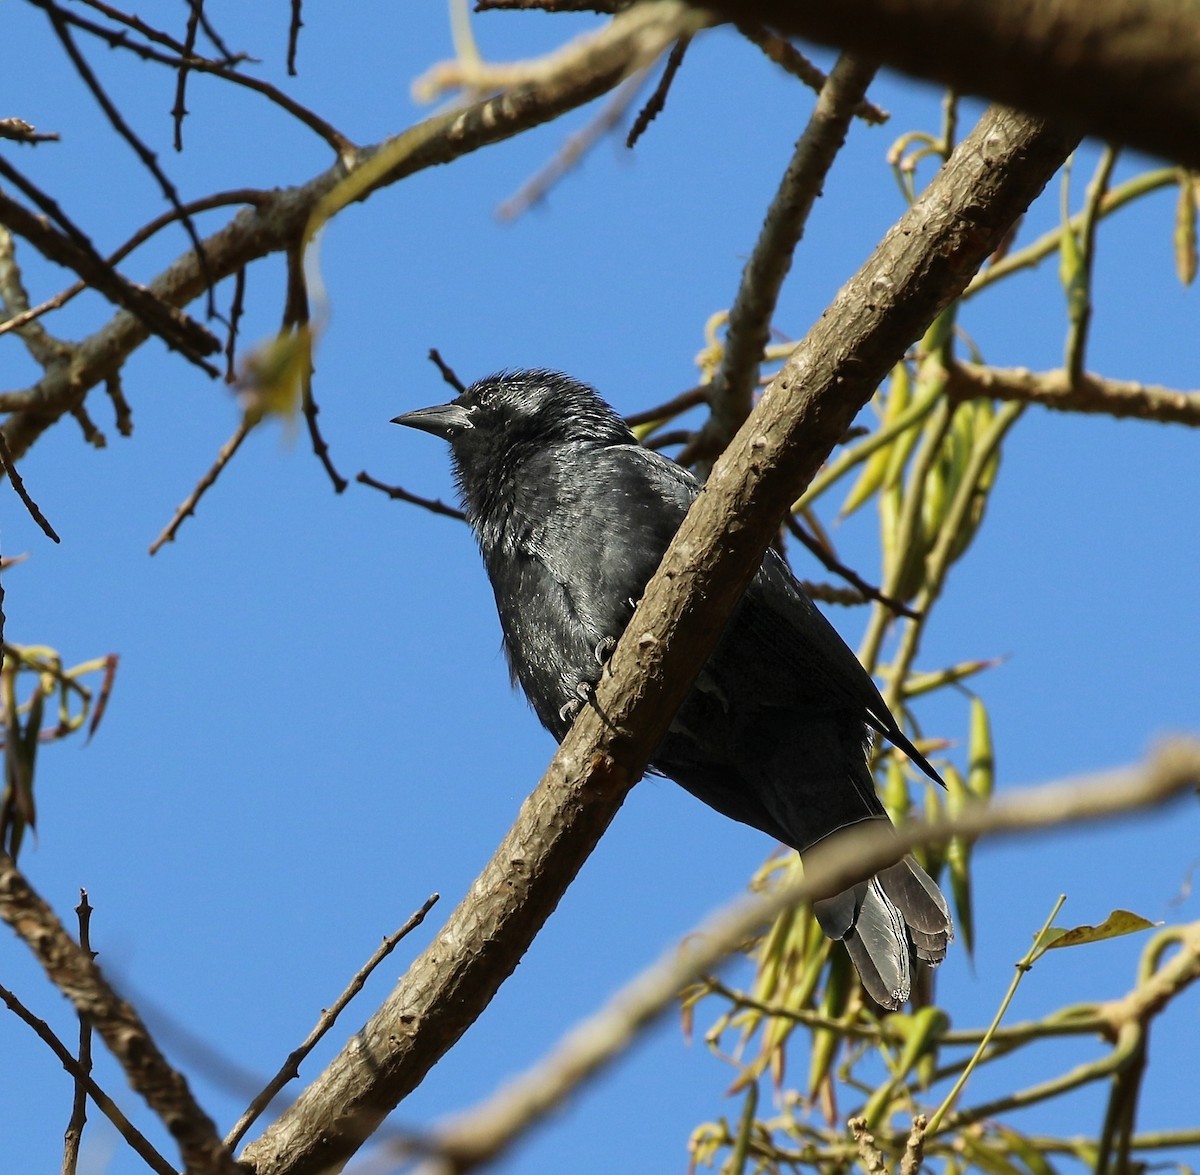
573, 517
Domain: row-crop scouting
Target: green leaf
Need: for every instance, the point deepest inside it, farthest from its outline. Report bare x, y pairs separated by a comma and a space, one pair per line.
1119, 922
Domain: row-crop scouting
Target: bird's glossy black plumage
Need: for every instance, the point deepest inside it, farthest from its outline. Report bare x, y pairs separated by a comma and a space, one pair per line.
572, 517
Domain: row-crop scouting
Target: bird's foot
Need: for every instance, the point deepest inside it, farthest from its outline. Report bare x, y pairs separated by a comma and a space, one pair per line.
569, 711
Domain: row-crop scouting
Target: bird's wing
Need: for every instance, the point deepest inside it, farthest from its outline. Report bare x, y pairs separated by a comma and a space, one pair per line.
604, 542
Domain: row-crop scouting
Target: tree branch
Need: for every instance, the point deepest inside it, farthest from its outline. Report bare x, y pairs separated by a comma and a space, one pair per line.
1127, 71
730, 397
922, 264
1123, 399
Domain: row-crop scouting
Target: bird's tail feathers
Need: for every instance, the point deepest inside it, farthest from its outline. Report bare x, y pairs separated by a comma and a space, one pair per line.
884, 922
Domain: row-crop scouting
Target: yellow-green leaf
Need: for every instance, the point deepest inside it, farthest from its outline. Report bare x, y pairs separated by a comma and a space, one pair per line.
1119, 922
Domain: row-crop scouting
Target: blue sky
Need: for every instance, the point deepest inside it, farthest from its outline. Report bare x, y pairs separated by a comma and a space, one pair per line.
312, 729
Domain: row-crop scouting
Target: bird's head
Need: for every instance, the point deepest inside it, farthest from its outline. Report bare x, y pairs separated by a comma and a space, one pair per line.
497, 424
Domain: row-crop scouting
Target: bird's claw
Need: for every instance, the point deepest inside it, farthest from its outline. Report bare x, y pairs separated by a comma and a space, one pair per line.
604, 650
569, 711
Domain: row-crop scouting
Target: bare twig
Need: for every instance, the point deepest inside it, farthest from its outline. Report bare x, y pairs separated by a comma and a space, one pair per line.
291, 1067
21, 131
236, 306
188, 505
179, 111
749, 328
788, 57
6, 459
657, 100
831, 563
294, 26
448, 373
122, 413
74, 1132
91, 434
399, 494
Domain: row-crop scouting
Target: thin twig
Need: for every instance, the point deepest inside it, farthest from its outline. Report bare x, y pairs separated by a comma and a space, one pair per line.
789, 58
6, 459
749, 327
448, 372
236, 306
294, 26
399, 494
297, 317
217, 40
123, 414
91, 434
179, 111
1022, 969
290, 1069
831, 563
1080, 296
188, 505
74, 1132
655, 103
21, 131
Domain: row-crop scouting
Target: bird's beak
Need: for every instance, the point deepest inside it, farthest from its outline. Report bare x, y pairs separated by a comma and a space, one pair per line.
443, 420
